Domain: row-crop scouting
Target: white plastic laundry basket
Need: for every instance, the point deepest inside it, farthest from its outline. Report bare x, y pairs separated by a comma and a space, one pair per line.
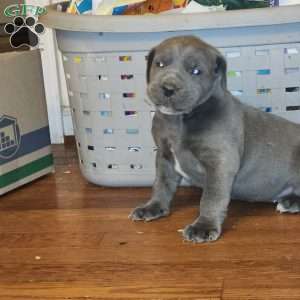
105, 63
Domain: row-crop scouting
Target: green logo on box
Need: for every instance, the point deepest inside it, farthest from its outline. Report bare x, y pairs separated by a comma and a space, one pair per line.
15, 10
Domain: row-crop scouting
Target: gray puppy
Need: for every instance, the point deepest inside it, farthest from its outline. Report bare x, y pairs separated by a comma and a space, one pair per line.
210, 138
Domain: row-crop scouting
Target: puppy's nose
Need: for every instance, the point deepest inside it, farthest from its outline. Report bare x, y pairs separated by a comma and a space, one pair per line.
168, 90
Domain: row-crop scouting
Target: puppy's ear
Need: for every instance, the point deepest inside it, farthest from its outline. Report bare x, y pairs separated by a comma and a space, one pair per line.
220, 69
149, 63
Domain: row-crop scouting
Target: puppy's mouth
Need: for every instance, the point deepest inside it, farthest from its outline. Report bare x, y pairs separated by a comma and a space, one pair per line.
168, 111
168, 104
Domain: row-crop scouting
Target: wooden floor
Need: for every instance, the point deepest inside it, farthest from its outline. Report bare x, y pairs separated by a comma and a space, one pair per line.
63, 238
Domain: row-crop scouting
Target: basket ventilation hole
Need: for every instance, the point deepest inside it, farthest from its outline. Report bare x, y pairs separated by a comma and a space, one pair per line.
125, 58
130, 113
291, 70
110, 148
132, 131
94, 165
263, 91
105, 113
112, 166
263, 72
237, 93
103, 77
292, 89
294, 107
126, 76
234, 74
108, 131
233, 54
88, 130
77, 59
136, 166
128, 95
91, 147
134, 149
291, 51
266, 109
104, 96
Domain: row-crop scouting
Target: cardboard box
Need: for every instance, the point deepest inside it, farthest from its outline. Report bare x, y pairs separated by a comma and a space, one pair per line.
25, 151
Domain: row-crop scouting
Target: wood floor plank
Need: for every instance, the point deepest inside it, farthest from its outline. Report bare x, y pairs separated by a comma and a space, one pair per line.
112, 219
65, 239
268, 293
152, 248
82, 290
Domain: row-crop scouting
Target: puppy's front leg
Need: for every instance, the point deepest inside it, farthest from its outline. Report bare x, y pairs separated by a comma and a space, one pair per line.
164, 188
213, 205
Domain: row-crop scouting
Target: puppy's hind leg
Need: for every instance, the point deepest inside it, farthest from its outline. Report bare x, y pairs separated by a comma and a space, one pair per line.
164, 188
289, 199
289, 204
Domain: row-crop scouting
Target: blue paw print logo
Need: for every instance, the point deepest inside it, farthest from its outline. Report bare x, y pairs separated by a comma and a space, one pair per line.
24, 31
10, 138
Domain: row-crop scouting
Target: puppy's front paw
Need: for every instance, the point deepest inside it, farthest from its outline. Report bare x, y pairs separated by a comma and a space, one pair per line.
149, 212
201, 232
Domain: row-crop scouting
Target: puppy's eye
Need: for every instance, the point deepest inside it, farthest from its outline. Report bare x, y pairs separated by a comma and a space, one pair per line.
196, 71
160, 64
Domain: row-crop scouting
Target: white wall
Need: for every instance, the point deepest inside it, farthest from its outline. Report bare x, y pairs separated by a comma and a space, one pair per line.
55, 88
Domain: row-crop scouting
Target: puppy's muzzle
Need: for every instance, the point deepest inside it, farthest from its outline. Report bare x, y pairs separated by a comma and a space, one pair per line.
170, 86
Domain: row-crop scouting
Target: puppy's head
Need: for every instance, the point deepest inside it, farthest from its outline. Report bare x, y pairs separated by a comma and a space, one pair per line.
182, 73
